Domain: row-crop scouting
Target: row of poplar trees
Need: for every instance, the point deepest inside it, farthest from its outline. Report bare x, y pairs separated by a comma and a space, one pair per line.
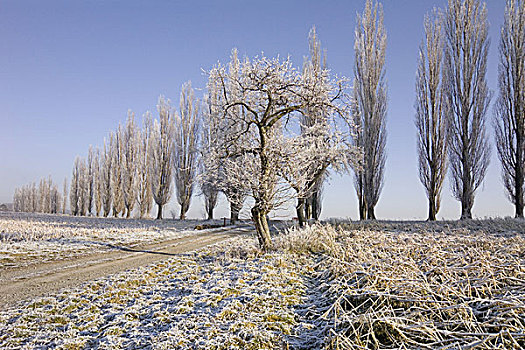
453, 99
138, 165
43, 197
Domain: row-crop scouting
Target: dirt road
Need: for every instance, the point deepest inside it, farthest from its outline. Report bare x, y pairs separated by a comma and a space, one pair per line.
45, 279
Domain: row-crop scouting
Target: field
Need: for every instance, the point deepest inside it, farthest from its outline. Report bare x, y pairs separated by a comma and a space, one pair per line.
372, 285
27, 239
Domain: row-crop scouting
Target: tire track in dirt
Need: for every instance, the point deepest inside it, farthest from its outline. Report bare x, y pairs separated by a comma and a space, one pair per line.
48, 278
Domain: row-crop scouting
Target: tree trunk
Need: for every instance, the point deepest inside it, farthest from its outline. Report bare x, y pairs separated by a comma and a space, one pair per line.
519, 173
261, 226
210, 213
467, 200
159, 212
307, 208
466, 212
466, 207
519, 195
315, 204
431, 208
362, 206
128, 213
234, 213
370, 211
300, 208
183, 210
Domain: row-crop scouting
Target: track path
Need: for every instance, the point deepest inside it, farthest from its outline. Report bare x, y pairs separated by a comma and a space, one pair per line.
48, 278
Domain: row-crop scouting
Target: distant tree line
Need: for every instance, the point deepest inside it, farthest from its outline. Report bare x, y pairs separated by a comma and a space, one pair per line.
43, 197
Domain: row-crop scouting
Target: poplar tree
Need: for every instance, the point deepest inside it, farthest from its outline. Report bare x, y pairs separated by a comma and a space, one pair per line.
162, 136
369, 106
509, 110
468, 97
430, 113
186, 147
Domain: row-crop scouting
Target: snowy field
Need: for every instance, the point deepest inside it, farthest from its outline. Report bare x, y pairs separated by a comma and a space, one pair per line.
382, 285
28, 238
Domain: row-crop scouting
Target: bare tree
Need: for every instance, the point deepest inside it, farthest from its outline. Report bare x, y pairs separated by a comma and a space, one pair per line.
369, 106
105, 176
430, 114
186, 153
509, 110
64, 196
90, 179
129, 138
272, 95
75, 188
162, 135
467, 97
34, 198
116, 171
144, 194
83, 187
97, 178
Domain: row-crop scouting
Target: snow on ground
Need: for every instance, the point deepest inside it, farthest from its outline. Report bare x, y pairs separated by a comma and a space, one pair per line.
378, 285
27, 238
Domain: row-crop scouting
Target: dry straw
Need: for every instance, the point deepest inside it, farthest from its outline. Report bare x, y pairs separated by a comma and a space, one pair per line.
418, 286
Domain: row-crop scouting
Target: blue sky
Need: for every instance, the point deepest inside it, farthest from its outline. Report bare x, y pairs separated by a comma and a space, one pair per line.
70, 70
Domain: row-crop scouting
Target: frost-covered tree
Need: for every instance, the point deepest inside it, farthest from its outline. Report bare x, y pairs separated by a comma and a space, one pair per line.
161, 152
44, 198
370, 106
144, 193
83, 188
314, 68
105, 176
90, 180
116, 171
234, 184
17, 204
186, 151
509, 110
97, 183
44, 189
55, 200
34, 198
75, 187
64, 196
208, 177
468, 97
224, 136
272, 95
129, 139
430, 113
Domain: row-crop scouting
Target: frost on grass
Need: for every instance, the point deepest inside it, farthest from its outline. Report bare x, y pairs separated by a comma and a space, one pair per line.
217, 298
419, 286
27, 238
358, 286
